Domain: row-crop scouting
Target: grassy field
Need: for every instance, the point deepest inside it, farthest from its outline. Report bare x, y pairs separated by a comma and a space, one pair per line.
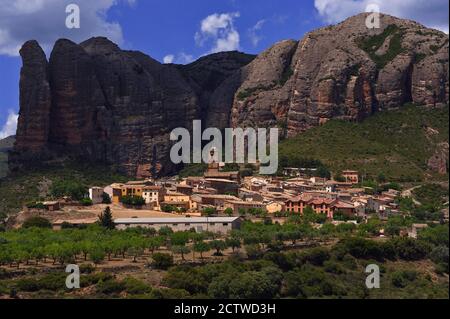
396, 144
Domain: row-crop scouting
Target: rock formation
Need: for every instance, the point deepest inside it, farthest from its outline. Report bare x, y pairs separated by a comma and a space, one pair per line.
97, 102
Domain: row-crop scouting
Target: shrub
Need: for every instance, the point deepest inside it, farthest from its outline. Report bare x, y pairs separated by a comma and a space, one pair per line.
110, 286
400, 279
134, 286
38, 222
315, 256
333, 267
86, 202
162, 261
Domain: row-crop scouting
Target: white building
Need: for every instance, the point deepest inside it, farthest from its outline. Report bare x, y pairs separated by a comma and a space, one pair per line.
221, 225
96, 195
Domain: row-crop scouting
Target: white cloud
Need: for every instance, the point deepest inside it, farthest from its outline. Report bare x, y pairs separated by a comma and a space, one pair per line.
219, 29
10, 127
180, 58
432, 13
255, 38
169, 59
44, 20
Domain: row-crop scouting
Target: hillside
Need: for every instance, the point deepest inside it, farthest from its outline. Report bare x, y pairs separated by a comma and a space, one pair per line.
396, 143
6, 144
20, 188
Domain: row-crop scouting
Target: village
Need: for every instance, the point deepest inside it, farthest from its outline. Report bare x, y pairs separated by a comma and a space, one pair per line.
219, 200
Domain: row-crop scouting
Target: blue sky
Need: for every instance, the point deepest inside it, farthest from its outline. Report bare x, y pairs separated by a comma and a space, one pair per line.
178, 31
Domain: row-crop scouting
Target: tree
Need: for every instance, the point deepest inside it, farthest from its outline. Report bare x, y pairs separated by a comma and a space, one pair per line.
209, 211
133, 200
162, 261
228, 211
106, 199
165, 231
106, 219
38, 222
201, 247
219, 246
233, 243
181, 250
179, 238
97, 255
72, 188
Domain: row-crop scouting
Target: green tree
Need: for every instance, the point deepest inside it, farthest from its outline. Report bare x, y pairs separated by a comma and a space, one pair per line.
219, 246
181, 250
233, 242
162, 261
209, 211
228, 211
201, 247
106, 219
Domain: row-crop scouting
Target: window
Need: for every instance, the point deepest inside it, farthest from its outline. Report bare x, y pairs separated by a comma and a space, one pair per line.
212, 224
187, 224
225, 224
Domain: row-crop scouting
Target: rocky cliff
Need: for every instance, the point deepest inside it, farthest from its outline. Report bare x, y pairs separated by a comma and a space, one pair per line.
97, 102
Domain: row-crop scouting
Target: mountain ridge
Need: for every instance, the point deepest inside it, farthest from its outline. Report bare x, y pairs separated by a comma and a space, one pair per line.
99, 103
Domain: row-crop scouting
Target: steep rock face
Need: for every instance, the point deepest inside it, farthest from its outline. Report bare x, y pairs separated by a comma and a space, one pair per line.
97, 102
35, 100
111, 106
345, 71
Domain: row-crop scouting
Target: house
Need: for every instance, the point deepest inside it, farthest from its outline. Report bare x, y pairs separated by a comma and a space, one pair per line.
223, 186
153, 195
321, 205
351, 176
274, 207
52, 206
115, 192
221, 225
177, 199
184, 189
238, 205
212, 200
214, 172
96, 195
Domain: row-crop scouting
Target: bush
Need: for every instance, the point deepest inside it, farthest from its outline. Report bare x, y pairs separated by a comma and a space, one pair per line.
134, 286
86, 202
133, 200
110, 286
410, 249
38, 222
162, 261
71, 188
333, 267
400, 279
315, 256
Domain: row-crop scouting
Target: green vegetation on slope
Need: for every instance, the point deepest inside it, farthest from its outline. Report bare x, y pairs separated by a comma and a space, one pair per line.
396, 143
264, 263
372, 44
27, 186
